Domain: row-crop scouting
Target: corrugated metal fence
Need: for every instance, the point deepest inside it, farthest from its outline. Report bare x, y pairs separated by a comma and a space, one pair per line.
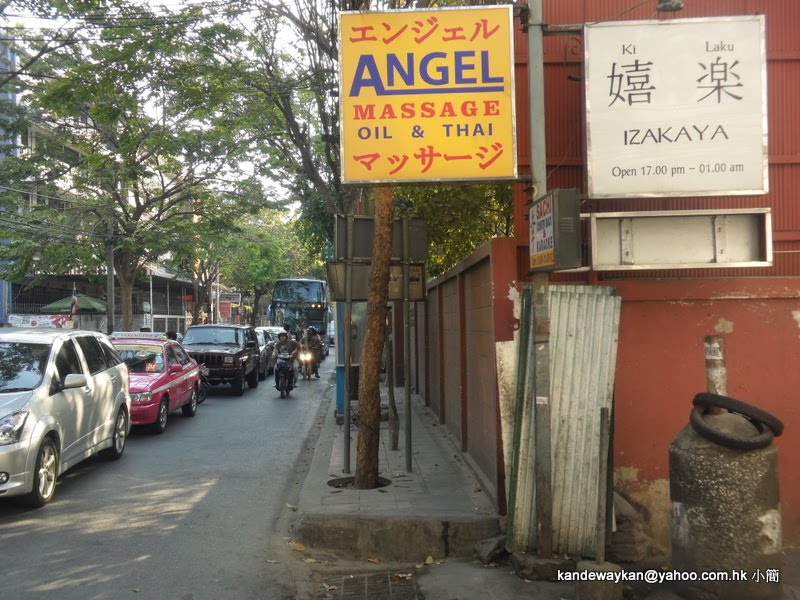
584, 325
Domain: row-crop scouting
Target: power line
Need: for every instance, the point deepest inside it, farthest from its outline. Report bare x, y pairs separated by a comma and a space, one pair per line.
34, 222
47, 197
47, 230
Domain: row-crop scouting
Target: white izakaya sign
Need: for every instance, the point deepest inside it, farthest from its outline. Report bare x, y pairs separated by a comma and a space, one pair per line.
676, 108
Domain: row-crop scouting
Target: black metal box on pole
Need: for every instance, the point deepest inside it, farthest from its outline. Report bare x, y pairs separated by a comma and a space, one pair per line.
554, 223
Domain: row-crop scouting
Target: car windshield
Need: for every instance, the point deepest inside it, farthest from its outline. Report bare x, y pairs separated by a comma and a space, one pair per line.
210, 335
142, 358
22, 365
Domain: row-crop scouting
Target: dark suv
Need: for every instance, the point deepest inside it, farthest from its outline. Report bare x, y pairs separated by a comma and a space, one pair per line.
229, 352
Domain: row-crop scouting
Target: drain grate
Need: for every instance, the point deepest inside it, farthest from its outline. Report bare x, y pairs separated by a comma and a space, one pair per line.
377, 586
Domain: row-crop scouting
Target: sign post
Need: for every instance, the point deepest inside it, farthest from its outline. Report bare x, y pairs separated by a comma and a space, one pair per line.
676, 107
427, 95
554, 242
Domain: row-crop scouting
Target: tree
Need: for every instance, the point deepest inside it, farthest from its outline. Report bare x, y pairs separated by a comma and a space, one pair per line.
44, 42
138, 179
264, 250
280, 66
287, 99
459, 218
369, 400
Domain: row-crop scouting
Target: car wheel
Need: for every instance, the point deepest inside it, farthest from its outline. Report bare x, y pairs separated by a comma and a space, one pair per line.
253, 377
161, 418
262, 372
119, 436
237, 385
190, 408
44, 475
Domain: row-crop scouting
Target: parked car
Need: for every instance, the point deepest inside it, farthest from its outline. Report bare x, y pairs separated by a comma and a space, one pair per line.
270, 337
163, 377
64, 396
229, 352
273, 331
331, 333
264, 351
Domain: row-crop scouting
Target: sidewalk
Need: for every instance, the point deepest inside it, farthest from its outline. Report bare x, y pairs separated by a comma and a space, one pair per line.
435, 510
421, 529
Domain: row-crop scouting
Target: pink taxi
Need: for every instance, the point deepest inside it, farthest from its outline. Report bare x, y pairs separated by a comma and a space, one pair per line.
163, 377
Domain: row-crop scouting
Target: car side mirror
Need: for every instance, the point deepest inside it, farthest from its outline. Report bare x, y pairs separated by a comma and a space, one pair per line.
175, 368
252, 344
74, 380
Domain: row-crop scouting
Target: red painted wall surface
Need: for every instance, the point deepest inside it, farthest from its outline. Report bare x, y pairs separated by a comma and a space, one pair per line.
661, 366
667, 314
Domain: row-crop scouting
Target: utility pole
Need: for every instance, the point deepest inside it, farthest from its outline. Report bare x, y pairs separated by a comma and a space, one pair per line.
110, 308
541, 292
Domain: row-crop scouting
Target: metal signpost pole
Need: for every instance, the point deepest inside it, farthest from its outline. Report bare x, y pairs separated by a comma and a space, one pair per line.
347, 339
407, 343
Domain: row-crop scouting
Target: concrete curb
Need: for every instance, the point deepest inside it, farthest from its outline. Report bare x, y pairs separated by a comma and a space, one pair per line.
393, 539
436, 510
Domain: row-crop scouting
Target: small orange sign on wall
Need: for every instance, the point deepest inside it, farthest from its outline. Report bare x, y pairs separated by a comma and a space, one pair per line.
427, 95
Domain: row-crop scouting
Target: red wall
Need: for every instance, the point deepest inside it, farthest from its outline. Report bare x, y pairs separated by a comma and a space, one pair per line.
661, 365
667, 314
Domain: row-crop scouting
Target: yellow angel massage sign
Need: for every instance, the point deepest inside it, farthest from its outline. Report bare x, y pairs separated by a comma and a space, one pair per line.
427, 95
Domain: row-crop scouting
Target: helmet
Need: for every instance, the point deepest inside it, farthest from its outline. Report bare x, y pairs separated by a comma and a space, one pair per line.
283, 334
312, 329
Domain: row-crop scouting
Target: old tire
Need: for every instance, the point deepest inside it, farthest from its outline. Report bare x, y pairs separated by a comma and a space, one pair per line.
708, 400
762, 439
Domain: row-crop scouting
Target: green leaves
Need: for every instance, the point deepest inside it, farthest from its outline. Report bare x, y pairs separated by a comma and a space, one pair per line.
460, 218
123, 147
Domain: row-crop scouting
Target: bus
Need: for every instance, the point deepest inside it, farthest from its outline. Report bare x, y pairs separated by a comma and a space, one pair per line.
300, 303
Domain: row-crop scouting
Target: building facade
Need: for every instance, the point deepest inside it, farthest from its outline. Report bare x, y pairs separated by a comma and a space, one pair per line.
666, 314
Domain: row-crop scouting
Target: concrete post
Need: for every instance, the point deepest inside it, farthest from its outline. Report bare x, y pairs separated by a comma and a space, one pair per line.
725, 515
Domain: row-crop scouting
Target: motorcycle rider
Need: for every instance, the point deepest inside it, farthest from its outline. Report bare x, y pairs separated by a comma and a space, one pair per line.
289, 346
312, 341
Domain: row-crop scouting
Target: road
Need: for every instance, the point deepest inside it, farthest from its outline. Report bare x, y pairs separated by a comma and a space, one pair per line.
200, 512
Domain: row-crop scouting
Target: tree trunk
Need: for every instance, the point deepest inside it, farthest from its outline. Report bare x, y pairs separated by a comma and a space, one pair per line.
125, 272
126, 299
369, 397
195, 300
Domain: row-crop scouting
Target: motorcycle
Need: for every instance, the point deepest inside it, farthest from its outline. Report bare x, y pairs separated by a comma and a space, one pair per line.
307, 359
284, 373
205, 385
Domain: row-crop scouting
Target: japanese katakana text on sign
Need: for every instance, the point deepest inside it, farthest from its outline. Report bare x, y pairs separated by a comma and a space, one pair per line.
427, 95
677, 107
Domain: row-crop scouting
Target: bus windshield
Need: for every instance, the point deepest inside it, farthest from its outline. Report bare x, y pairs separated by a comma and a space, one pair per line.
300, 303
299, 290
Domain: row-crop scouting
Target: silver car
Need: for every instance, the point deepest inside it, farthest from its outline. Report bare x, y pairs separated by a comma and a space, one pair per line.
64, 396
